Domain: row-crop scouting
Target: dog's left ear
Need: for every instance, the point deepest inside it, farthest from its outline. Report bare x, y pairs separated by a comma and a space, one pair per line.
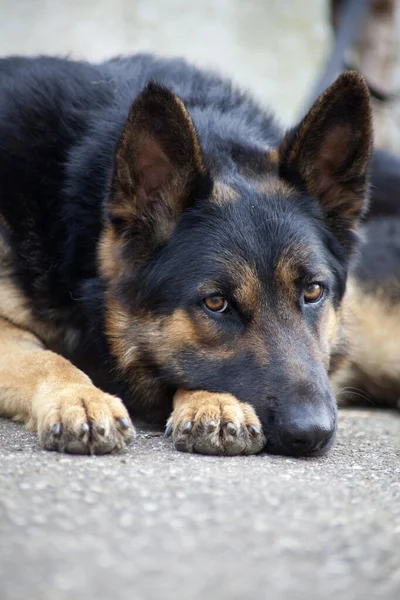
328, 153
158, 162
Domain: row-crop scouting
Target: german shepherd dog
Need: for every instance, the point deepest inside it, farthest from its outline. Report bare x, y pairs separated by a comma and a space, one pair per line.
163, 240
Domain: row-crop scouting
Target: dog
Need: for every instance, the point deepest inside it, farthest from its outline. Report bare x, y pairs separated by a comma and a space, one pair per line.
164, 242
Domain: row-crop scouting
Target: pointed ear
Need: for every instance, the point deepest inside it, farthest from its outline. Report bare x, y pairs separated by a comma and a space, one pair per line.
158, 162
328, 153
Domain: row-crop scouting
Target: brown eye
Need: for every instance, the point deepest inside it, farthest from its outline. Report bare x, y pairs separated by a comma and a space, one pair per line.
313, 292
216, 304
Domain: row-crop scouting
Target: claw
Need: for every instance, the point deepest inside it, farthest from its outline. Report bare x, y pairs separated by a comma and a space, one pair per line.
254, 430
101, 429
56, 430
211, 426
84, 430
124, 423
168, 430
187, 428
231, 428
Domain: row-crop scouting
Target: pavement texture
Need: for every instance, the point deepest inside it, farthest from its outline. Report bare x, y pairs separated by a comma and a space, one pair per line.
153, 523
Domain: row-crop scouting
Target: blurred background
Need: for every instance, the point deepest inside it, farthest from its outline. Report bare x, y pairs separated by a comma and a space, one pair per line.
275, 48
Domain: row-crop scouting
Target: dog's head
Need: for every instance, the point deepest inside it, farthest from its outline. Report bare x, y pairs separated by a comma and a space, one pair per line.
233, 281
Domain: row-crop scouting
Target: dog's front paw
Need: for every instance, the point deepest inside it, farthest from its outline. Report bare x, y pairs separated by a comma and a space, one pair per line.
81, 419
210, 423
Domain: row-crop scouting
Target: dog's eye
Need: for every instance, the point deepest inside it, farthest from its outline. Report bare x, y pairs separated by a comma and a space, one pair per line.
216, 304
313, 293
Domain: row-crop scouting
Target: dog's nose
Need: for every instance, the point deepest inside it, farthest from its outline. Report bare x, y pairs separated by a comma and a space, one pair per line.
304, 437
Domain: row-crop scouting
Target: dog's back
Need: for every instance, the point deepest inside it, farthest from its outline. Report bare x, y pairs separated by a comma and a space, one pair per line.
372, 316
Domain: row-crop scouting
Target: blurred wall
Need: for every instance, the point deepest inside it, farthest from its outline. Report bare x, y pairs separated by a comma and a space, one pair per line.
276, 48
273, 47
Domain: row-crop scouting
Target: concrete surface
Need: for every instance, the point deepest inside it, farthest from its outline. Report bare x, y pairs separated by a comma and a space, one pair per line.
152, 523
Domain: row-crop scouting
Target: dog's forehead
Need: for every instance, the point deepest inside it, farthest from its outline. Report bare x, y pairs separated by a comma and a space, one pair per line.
260, 221
257, 189
258, 232
235, 245
282, 257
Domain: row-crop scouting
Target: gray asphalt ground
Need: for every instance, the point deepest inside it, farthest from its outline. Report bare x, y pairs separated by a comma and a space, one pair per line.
153, 523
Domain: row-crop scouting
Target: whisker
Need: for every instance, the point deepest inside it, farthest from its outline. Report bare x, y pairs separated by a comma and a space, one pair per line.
356, 392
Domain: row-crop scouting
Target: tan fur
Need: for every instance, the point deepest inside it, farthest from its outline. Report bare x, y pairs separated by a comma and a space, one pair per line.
286, 269
248, 293
274, 186
180, 327
273, 156
372, 325
109, 244
117, 323
40, 387
14, 308
257, 345
123, 207
165, 337
43, 389
329, 327
180, 331
224, 194
211, 416
286, 274
330, 323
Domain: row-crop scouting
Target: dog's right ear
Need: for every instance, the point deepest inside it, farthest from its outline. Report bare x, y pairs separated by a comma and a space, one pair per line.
327, 154
158, 163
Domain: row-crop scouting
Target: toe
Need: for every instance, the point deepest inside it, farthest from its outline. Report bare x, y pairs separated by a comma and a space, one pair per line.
183, 441
208, 439
215, 424
86, 421
50, 438
234, 439
256, 439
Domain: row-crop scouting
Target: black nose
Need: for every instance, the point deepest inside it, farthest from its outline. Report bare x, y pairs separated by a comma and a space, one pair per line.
307, 427
304, 437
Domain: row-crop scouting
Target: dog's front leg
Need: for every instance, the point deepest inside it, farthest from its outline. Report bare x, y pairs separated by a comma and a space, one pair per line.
54, 398
212, 423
